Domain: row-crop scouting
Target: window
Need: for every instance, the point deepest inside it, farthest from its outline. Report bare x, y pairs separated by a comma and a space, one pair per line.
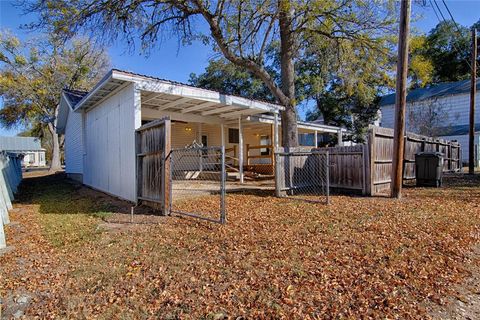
233, 135
205, 141
265, 141
306, 139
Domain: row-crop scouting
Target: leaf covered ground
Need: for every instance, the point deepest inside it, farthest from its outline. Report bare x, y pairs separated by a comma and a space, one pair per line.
77, 255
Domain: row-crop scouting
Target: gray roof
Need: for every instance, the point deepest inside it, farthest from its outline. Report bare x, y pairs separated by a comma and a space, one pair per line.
20, 144
441, 89
457, 130
74, 96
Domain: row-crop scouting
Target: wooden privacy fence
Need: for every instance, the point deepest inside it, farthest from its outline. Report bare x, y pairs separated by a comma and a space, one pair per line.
366, 168
380, 145
153, 145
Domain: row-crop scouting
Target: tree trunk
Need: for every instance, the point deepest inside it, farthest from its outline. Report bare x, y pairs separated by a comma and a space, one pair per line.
289, 116
55, 165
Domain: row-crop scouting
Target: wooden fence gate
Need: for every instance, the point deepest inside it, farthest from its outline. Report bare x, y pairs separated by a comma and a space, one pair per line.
153, 168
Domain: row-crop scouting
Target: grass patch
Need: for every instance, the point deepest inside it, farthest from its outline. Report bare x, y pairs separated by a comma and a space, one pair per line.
67, 217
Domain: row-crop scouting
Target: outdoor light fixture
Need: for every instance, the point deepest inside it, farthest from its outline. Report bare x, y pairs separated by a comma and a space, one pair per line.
188, 129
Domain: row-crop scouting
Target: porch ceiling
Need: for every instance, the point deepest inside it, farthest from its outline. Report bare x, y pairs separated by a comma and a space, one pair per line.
173, 97
195, 106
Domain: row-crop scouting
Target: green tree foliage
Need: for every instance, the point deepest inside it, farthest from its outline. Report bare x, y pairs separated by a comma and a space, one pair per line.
32, 75
443, 55
223, 76
241, 30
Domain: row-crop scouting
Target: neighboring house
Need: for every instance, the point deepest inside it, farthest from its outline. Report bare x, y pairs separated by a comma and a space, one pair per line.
29, 147
439, 111
99, 126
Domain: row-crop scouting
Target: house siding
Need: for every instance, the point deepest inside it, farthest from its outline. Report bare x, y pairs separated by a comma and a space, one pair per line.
456, 110
74, 143
110, 145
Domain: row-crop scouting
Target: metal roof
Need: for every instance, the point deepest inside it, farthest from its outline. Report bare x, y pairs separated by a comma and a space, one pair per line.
74, 96
439, 90
170, 96
457, 130
20, 144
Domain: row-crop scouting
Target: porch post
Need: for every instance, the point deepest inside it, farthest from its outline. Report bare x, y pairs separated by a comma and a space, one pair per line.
339, 137
315, 138
199, 133
199, 142
222, 135
275, 126
240, 148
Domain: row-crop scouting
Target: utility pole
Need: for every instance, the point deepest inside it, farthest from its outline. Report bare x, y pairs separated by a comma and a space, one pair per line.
473, 92
400, 100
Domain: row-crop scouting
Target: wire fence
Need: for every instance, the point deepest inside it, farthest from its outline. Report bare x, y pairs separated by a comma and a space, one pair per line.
303, 175
198, 183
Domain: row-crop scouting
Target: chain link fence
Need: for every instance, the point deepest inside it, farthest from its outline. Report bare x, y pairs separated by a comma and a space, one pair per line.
198, 182
303, 175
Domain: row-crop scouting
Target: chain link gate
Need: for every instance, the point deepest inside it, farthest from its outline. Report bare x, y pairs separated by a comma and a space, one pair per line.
303, 175
198, 182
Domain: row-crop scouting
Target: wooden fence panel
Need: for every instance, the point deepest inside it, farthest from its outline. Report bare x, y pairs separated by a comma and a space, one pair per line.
153, 147
347, 167
367, 167
381, 151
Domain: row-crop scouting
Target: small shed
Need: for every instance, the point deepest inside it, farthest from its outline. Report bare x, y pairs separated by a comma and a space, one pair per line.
100, 126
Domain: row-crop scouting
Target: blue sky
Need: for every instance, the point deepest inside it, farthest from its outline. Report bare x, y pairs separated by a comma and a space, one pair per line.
175, 62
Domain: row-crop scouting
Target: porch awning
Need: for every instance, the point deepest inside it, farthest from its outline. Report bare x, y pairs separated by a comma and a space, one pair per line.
169, 96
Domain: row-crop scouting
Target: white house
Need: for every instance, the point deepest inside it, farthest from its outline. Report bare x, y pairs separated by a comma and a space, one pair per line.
29, 147
99, 126
441, 111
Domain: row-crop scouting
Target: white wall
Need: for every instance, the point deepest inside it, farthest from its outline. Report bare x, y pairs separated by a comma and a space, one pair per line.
33, 159
74, 143
456, 107
110, 144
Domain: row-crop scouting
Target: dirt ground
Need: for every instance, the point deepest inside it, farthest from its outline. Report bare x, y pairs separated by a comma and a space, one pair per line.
74, 253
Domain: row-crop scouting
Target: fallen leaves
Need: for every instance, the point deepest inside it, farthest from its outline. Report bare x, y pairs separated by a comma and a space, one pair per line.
276, 258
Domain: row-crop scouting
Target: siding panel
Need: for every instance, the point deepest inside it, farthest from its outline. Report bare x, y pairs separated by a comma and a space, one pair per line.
110, 144
74, 143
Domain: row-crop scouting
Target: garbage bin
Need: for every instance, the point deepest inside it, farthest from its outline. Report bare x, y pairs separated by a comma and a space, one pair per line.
429, 169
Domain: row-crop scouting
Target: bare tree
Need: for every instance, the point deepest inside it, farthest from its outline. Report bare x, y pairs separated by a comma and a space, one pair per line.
429, 119
241, 30
32, 75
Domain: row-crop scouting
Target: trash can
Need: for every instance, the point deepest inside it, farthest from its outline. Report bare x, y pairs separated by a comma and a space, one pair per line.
429, 169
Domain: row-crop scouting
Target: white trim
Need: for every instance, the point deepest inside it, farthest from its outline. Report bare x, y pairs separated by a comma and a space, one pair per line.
240, 149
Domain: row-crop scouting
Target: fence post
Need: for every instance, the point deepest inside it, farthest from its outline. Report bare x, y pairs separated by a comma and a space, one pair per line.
167, 169
364, 169
372, 158
328, 176
278, 191
223, 214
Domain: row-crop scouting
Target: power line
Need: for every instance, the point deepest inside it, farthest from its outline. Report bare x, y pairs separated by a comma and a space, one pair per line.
455, 23
451, 16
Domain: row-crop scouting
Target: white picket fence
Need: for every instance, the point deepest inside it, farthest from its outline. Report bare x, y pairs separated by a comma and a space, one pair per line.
10, 178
